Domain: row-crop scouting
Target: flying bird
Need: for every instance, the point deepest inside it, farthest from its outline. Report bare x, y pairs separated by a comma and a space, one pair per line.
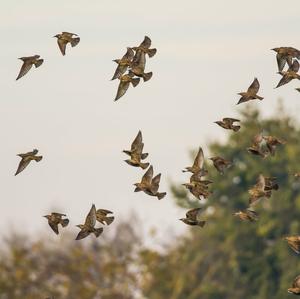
54, 219
247, 215
150, 184
295, 289
101, 216
285, 55
259, 191
26, 159
138, 67
136, 152
290, 74
192, 218
257, 147
294, 243
251, 93
272, 143
221, 164
198, 164
144, 47
228, 123
28, 62
64, 38
125, 81
199, 189
89, 225
123, 63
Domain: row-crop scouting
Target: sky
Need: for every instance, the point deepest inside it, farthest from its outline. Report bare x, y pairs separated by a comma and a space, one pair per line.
207, 52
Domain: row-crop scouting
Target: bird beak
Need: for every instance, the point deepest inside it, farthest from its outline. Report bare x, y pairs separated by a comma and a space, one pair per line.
45, 216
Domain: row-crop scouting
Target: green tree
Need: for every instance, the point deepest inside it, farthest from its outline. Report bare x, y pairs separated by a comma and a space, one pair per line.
229, 258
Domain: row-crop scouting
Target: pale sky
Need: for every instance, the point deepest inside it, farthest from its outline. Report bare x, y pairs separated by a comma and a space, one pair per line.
208, 51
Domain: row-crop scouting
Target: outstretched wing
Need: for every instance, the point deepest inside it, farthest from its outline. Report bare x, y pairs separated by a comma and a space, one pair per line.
147, 177
193, 214
27, 65
155, 183
22, 165
62, 45
90, 219
254, 87
199, 160
136, 144
54, 226
123, 86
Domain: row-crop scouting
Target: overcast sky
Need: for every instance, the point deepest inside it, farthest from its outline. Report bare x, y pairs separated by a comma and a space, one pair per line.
208, 51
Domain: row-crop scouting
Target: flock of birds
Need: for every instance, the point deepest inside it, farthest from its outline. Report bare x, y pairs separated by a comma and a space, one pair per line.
133, 62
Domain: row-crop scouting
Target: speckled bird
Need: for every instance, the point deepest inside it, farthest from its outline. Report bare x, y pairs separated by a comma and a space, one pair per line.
123, 63
125, 81
28, 62
258, 191
199, 190
150, 184
272, 143
257, 147
221, 164
54, 219
101, 216
26, 159
89, 225
138, 67
251, 93
247, 215
145, 48
285, 55
192, 218
65, 38
228, 123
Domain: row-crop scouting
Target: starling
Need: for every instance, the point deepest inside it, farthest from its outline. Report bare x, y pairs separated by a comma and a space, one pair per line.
199, 189
294, 243
272, 143
247, 215
257, 146
136, 152
89, 226
125, 81
138, 66
258, 191
228, 123
285, 55
150, 184
28, 62
290, 74
295, 289
271, 184
221, 164
26, 159
198, 164
54, 219
251, 93
144, 47
123, 63
101, 216
64, 38
192, 218
197, 178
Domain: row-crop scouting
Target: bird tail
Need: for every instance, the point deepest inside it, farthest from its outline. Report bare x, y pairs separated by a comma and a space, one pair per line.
161, 195
144, 156
147, 76
151, 52
75, 41
144, 165
109, 220
135, 81
39, 63
64, 222
259, 98
98, 231
38, 158
236, 128
201, 223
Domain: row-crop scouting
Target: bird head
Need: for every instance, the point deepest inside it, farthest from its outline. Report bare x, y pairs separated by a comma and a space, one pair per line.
275, 49
138, 187
47, 216
57, 36
116, 60
35, 151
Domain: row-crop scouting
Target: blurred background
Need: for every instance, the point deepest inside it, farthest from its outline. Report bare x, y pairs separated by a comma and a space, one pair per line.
207, 53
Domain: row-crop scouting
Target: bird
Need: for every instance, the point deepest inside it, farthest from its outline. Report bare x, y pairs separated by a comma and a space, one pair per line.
285, 55
295, 289
28, 62
199, 189
125, 81
150, 184
257, 146
258, 191
26, 159
294, 243
272, 142
271, 183
101, 216
228, 123
290, 74
197, 166
145, 48
89, 225
136, 152
54, 219
123, 63
221, 164
138, 67
247, 215
192, 218
251, 93
64, 38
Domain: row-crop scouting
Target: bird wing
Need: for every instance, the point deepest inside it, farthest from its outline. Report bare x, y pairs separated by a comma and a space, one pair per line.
129, 54
280, 62
284, 80
136, 144
104, 212
120, 70
193, 214
54, 226
123, 86
58, 214
139, 61
199, 160
155, 183
82, 234
62, 45
27, 65
295, 66
229, 120
261, 183
147, 177
254, 87
146, 43
252, 213
90, 219
22, 165
296, 282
